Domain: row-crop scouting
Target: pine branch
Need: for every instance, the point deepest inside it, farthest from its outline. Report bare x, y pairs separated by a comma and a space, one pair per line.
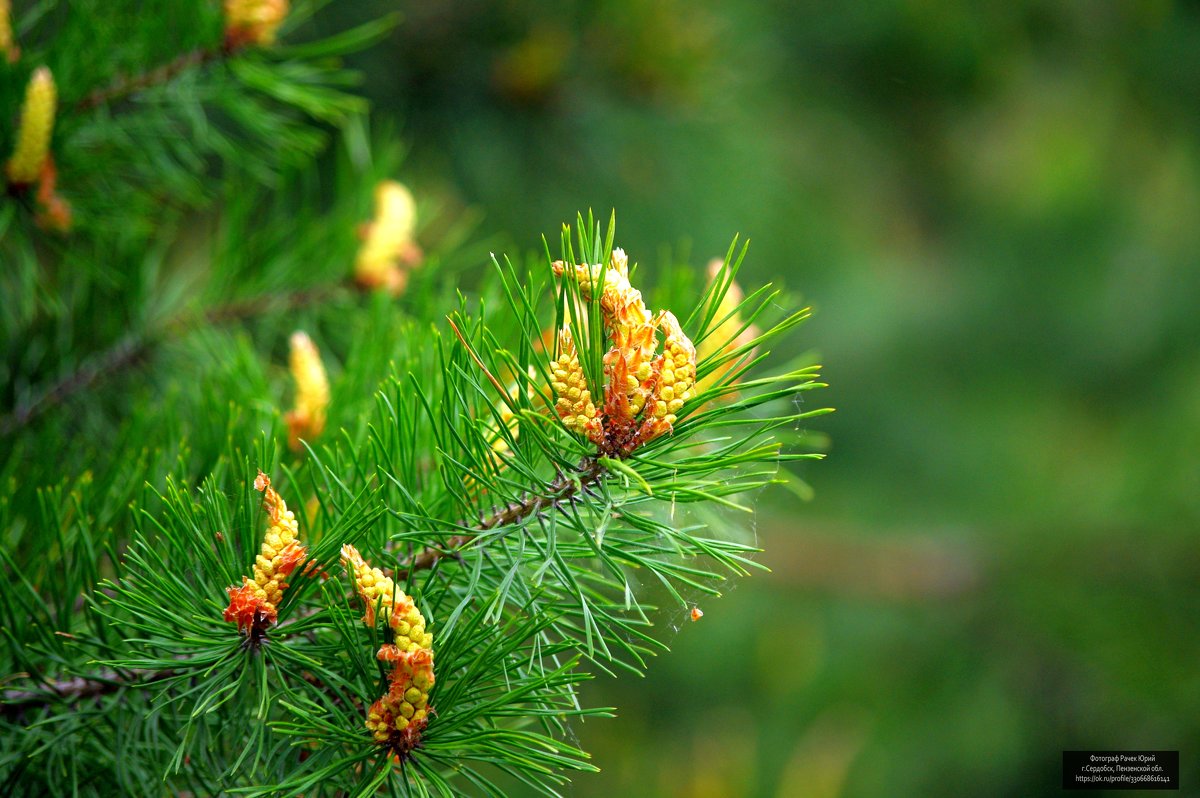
562, 489
267, 303
78, 688
124, 354
128, 351
126, 85
559, 545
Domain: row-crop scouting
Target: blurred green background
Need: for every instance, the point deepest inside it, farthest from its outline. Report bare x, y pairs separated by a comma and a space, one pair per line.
993, 209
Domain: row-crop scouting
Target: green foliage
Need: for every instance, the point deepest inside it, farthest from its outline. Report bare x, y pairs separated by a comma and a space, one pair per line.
145, 388
560, 546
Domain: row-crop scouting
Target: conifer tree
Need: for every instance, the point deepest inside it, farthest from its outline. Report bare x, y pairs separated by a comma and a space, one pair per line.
287, 508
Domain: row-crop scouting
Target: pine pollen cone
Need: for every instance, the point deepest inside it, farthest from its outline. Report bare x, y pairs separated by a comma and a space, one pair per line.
676, 370
397, 719
8, 45
389, 249
253, 605
253, 22
34, 130
644, 389
307, 419
572, 399
620, 302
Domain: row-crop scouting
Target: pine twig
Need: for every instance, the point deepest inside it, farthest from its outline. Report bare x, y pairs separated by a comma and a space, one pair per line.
77, 688
15, 701
125, 85
265, 303
126, 352
560, 490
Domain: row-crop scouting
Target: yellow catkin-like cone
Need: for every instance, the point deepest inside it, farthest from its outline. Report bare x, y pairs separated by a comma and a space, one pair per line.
620, 302
280, 552
632, 330
397, 608
307, 419
376, 589
398, 717
728, 336
388, 247
644, 390
676, 368
8, 44
572, 399
279, 555
33, 134
629, 369
253, 22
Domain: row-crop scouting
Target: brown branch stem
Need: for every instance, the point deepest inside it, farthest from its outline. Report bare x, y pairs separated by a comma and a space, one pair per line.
126, 85
122, 355
129, 350
562, 489
78, 688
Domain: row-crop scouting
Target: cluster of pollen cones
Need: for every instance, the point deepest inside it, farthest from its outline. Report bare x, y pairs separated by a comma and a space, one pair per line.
645, 386
397, 718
